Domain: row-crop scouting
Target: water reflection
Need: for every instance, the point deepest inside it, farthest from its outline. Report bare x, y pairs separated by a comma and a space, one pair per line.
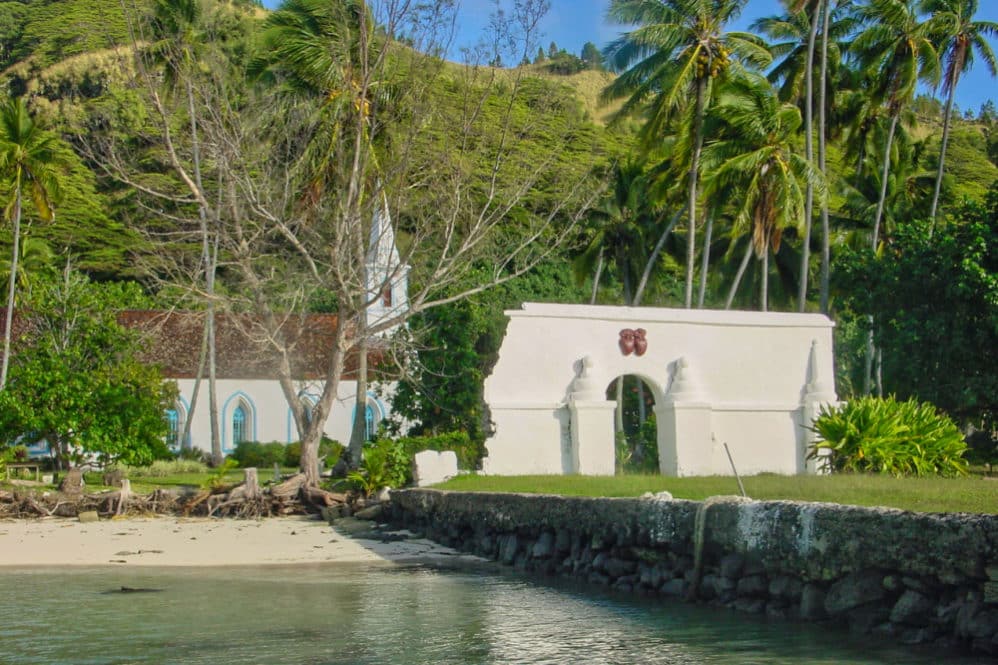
384, 614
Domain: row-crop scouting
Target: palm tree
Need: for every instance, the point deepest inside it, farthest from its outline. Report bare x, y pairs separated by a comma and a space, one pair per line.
671, 60
898, 51
961, 35
756, 158
31, 161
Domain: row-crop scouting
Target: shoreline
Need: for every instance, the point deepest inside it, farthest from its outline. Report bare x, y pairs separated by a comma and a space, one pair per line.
167, 542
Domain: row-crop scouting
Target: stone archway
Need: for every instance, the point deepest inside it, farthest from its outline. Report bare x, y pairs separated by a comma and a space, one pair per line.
748, 379
635, 427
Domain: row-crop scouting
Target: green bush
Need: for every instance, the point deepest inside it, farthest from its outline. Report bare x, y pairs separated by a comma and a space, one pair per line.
259, 455
386, 464
330, 452
162, 468
883, 435
469, 453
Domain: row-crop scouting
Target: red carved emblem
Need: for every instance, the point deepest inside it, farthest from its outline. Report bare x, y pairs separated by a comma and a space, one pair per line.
633, 341
640, 343
626, 341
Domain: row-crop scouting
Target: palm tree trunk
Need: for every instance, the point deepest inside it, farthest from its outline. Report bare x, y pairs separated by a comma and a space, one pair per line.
359, 430
210, 260
738, 276
704, 264
809, 149
202, 361
652, 259
12, 284
764, 282
870, 345
885, 171
596, 278
947, 117
826, 242
694, 171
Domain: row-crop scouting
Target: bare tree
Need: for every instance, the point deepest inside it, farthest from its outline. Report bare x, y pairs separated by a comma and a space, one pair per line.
456, 163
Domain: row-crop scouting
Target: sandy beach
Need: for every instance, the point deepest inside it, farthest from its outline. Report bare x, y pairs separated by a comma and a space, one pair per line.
171, 541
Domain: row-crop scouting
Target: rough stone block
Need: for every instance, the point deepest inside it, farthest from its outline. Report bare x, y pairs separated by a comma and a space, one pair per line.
544, 547
753, 585
89, 516
912, 608
432, 467
855, 590
812, 603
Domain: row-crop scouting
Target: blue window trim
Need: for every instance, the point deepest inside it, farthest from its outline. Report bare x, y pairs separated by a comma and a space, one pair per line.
227, 411
372, 401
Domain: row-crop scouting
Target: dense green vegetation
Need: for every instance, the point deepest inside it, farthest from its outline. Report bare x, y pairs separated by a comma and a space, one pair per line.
972, 495
231, 158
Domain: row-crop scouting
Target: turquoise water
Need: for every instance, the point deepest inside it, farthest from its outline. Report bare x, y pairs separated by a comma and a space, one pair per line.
382, 614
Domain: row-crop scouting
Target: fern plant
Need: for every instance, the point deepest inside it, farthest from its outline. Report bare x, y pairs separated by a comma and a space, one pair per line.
883, 435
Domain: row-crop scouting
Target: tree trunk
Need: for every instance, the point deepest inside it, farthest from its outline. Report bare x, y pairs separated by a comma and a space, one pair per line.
359, 431
764, 282
947, 118
596, 278
650, 264
870, 345
885, 172
826, 241
738, 276
12, 284
694, 172
805, 261
705, 263
308, 462
209, 255
202, 361
618, 413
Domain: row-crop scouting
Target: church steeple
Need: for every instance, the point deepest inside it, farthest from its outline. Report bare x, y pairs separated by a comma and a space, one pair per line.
387, 276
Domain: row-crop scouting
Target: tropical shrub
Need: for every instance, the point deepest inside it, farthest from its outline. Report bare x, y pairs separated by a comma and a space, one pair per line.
385, 464
883, 435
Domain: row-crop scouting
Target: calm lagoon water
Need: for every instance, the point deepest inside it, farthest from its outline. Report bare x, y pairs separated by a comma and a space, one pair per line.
383, 614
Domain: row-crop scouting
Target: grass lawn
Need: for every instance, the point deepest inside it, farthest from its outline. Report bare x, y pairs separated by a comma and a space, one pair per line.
974, 494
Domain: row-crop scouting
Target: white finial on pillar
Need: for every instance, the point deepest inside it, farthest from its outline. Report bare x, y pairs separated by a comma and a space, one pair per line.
816, 387
583, 386
685, 387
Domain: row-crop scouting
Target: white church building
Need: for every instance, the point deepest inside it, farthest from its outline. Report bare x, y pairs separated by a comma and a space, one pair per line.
251, 404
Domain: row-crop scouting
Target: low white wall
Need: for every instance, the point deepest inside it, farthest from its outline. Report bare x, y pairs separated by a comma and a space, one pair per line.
754, 371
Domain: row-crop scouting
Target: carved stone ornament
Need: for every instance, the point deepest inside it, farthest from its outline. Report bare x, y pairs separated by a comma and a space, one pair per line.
633, 341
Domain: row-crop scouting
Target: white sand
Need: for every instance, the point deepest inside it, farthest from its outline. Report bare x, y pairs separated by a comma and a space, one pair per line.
169, 541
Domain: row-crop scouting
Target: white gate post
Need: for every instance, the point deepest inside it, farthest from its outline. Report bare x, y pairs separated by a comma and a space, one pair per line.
816, 395
684, 442
592, 426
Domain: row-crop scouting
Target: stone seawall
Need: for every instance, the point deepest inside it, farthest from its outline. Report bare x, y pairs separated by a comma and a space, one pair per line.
909, 577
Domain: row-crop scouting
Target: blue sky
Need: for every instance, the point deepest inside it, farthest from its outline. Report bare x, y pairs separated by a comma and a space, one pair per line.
572, 23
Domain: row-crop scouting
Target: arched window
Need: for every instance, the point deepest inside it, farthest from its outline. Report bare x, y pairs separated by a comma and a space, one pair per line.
173, 429
370, 425
239, 429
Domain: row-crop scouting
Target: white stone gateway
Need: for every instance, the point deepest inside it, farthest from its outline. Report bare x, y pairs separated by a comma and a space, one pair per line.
752, 380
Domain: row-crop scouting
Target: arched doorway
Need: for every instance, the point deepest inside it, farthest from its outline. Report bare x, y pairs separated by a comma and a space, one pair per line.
635, 427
